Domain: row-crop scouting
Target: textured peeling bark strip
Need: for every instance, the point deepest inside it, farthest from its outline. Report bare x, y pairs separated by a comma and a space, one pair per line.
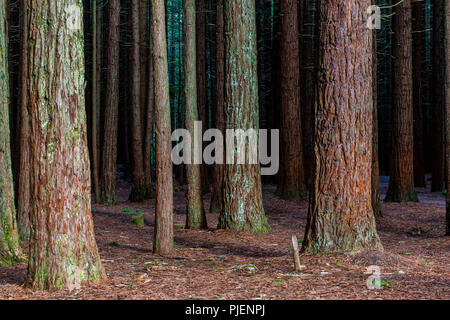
63, 251
243, 208
163, 236
10, 251
340, 215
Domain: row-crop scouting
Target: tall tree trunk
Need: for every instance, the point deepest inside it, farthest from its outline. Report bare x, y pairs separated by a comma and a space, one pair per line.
437, 104
196, 218
109, 196
10, 251
63, 251
23, 194
418, 27
376, 193
96, 83
447, 105
217, 192
149, 118
308, 86
401, 184
340, 215
201, 77
243, 208
163, 236
138, 191
292, 183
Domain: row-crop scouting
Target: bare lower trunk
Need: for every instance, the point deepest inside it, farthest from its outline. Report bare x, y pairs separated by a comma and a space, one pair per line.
63, 251
401, 184
163, 237
340, 214
447, 106
109, 196
10, 251
243, 208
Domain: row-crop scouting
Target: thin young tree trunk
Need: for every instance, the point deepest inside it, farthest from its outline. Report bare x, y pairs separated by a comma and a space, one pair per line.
437, 184
201, 77
447, 106
163, 236
137, 192
96, 49
10, 250
340, 215
401, 184
217, 192
243, 208
376, 193
23, 194
63, 251
308, 87
109, 196
196, 218
292, 184
149, 110
418, 25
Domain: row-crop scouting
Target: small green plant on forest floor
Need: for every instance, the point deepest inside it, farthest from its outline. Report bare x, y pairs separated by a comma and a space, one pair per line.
114, 244
138, 220
127, 210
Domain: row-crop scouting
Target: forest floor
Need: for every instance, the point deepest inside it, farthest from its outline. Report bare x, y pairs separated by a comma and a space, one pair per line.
216, 264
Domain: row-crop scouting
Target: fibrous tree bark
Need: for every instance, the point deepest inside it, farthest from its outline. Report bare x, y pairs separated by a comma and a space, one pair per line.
437, 168
243, 208
138, 190
10, 251
401, 184
108, 180
307, 77
340, 214
63, 251
163, 236
217, 191
292, 177
418, 27
23, 190
196, 217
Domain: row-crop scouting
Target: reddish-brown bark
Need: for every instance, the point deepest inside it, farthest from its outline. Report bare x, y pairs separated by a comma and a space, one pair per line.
340, 215
63, 251
163, 236
401, 184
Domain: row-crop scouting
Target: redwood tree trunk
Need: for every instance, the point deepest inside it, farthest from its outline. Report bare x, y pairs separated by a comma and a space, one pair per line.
109, 196
138, 191
196, 218
340, 215
243, 208
163, 236
10, 251
292, 178
200, 8
418, 25
308, 86
401, 184
63, 251
217, 196
437, 104
23, 194
447, 105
